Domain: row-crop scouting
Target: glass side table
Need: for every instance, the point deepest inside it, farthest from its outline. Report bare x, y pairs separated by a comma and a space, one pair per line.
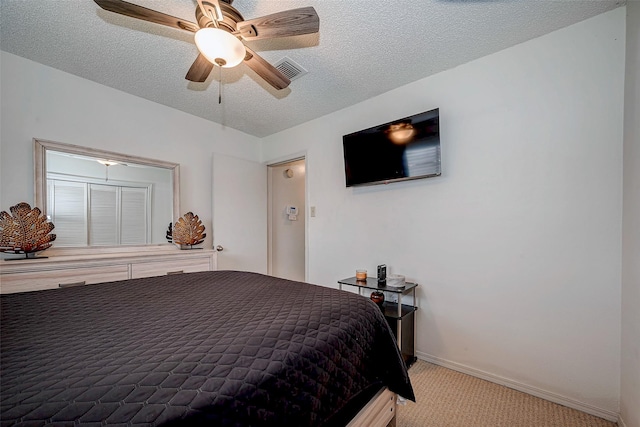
401, 317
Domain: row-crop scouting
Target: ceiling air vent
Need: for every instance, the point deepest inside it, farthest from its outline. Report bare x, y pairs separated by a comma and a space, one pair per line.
290, 68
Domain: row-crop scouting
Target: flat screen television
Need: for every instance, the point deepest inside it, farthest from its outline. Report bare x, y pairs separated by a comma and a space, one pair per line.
396, 151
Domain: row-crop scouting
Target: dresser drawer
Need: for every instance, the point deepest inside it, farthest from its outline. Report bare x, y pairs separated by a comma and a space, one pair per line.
75, 269
52, 279
174, 266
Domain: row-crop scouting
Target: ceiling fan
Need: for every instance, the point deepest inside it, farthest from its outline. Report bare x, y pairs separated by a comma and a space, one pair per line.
221, 30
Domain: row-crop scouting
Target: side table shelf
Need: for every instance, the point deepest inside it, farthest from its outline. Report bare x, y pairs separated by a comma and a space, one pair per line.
400, 317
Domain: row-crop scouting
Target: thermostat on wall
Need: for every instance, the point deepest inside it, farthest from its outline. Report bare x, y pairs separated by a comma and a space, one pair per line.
292, 211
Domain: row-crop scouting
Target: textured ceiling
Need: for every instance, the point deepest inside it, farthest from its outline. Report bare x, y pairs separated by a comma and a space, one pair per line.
365, 47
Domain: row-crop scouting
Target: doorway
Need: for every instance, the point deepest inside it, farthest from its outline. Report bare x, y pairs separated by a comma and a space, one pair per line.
286, 189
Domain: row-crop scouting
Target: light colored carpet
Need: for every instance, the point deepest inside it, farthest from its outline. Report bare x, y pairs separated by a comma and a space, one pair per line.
447, 398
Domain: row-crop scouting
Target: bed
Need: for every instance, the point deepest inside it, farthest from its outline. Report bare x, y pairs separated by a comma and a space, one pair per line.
218, 348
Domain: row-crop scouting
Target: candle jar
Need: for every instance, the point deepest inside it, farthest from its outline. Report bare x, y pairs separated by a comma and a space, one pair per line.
361, 275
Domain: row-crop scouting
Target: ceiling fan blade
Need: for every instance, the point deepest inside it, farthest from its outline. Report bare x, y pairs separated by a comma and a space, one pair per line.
200, 69
139, 12
265, 70
292, 22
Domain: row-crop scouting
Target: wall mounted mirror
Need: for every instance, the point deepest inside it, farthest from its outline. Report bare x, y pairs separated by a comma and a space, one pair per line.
98, 198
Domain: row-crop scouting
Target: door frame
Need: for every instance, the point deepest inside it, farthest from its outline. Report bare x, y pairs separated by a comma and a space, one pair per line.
300, 155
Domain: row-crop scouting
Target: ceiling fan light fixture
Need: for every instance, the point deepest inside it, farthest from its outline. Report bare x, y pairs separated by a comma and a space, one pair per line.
108, 162
220, 47
401, 133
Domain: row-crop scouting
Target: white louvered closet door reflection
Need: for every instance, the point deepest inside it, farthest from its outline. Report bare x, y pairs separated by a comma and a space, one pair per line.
134, 224
68, 211
99, 214
118, 215
103, 215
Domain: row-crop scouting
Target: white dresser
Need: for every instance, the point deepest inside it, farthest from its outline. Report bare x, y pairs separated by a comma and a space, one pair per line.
90, 267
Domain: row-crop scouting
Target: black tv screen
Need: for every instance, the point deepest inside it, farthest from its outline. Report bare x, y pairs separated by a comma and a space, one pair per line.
396, 151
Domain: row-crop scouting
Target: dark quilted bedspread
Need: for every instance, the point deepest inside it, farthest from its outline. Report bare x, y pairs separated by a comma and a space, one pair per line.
217, 348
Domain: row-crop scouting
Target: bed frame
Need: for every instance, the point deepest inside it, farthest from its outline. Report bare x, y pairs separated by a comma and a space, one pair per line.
379, 412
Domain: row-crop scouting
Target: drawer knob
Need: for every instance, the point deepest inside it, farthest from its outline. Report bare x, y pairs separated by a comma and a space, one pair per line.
69, 285
169, 273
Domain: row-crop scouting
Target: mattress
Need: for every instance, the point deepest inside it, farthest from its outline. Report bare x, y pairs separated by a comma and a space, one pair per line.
219, 348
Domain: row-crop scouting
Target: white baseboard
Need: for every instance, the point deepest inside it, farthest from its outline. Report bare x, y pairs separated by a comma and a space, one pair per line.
621, 422
525, 388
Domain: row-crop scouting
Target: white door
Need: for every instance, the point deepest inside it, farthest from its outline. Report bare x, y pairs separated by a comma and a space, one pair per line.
240, 213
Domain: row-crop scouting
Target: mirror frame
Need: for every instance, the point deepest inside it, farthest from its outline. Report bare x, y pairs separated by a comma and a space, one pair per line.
40, 148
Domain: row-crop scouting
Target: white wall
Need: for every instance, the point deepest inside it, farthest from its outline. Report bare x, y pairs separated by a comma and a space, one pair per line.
41, 102
630, 361
517, 246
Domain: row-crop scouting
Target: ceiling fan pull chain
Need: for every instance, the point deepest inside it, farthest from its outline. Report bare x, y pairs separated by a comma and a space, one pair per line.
220, 85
